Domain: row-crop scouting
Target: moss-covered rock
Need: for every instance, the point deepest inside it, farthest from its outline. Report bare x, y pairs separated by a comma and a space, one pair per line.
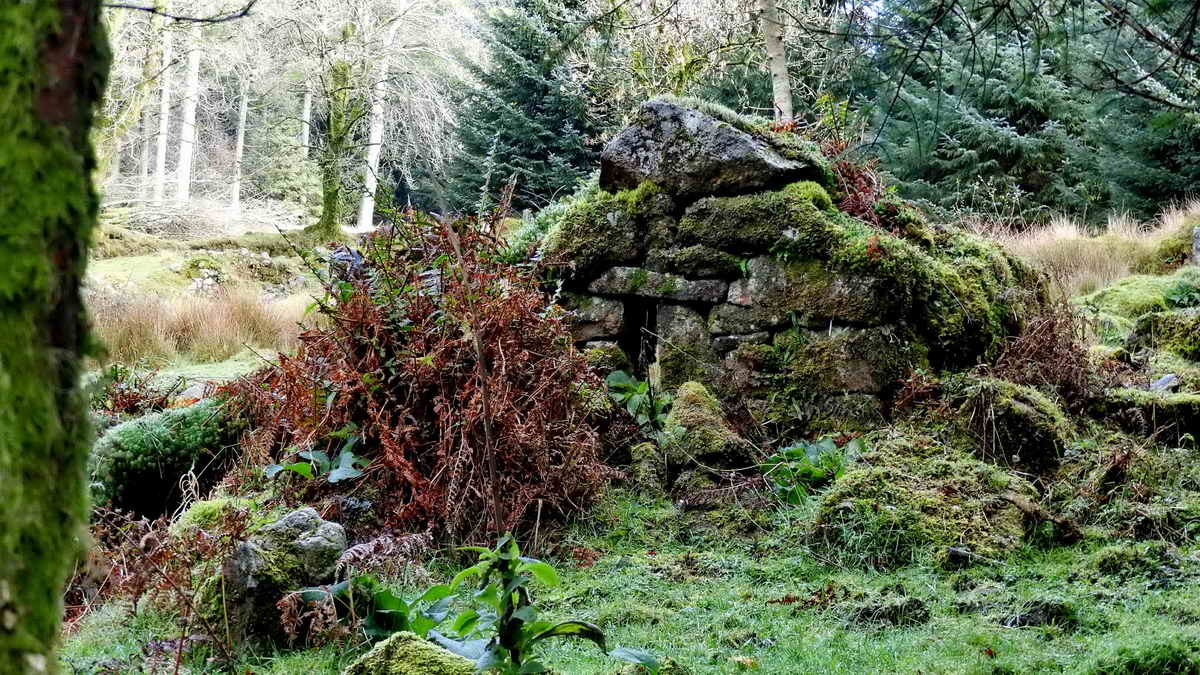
684, 350
700, 432
137, 465
1134, 296
1012, 424
694, 262
1171, 416
606, 230
1176, 331
406, 653
605, 357
299, 550
750, 224
903, 506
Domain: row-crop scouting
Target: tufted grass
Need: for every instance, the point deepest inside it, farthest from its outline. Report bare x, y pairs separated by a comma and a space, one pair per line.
1083, 261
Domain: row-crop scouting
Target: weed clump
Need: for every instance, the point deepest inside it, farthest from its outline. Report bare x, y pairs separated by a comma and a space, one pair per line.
444, 366
1176, 654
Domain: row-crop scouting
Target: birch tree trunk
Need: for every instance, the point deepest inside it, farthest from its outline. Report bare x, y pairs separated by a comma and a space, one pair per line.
306, 119
144, 158
187, 131
53, 63
366, 206
235, 200
781, 82
164, 125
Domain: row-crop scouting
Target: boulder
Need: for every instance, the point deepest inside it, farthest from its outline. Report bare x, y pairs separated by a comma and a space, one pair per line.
777, 293
1013, 424
297, 551
595, 318
690, 154
1176, 331
642, 283
406, 653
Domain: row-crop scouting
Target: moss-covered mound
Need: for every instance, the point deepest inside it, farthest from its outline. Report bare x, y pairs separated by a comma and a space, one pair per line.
1134, 296
1177, 332
912, 499
1011, 424
407, 654
137, 465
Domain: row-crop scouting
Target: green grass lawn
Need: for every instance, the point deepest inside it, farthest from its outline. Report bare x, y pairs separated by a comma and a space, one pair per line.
682, 586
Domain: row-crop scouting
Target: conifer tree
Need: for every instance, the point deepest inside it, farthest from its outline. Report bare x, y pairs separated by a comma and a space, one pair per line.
524, 117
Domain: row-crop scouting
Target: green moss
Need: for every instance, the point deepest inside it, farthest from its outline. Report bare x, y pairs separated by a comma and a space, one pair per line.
137, 465
111, 241
1012, 424
901, 216
1177, 332
1134, 296
694, 262
606, 229
637, 280
1170, 415
604, 359
1169, 253
407, 654
903, 508
272, 243
53, 68
698, 428
750, 224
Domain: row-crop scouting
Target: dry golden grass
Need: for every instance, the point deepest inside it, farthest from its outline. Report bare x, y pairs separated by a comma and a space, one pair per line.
1081, 260
200, 329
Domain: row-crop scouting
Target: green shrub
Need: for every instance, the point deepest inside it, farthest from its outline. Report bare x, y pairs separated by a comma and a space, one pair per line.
137, 465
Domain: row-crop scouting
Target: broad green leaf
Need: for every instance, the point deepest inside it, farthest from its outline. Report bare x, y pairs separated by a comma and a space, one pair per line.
435, 593
642, 658
541, 571
526, 613
581, 629
303, 468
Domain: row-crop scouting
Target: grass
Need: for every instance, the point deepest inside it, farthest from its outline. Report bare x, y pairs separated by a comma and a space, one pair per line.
1083, 261
157, 330
667, 582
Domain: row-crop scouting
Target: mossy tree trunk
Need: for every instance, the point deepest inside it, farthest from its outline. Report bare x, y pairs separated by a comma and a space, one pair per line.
343, 115
53, 63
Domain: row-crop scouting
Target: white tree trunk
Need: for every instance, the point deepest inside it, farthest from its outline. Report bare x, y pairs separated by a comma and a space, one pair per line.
164, 125
366, 207
147, 131
187, 132
781, 82
306, 119
235, 200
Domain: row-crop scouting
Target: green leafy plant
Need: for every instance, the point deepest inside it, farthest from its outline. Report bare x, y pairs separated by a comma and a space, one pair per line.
797, 470
501, 633
345, 466
382, 612
647, 406
1184, 294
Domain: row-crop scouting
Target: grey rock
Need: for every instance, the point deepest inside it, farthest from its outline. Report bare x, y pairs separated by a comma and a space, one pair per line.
295, 551
688, 154
315, 542
684, 349
734, 319
725, 343
1166, 383
643, 283
595, 318
809, 294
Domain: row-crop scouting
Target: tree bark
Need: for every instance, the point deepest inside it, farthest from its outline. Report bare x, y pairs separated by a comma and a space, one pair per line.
366, 206
235, 201
306, 120
781, 82
187, 131
341, 118
53, 61
164, 124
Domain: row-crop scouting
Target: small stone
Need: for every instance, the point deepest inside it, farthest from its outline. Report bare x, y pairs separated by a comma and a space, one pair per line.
1166, 383
595, 318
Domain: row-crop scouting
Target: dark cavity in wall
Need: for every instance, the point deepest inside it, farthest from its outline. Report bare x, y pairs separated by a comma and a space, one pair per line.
639, 340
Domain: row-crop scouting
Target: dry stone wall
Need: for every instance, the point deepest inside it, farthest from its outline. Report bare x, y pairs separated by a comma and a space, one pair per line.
714, 253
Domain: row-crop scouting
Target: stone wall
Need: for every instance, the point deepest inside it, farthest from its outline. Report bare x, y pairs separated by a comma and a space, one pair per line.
714, 253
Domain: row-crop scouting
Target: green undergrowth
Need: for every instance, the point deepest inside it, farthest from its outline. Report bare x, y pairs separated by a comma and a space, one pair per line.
720, 601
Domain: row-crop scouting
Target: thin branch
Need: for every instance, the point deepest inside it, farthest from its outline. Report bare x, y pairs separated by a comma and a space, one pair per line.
220, 18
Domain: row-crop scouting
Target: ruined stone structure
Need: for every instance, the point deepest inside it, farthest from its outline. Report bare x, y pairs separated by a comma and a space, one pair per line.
715, 253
